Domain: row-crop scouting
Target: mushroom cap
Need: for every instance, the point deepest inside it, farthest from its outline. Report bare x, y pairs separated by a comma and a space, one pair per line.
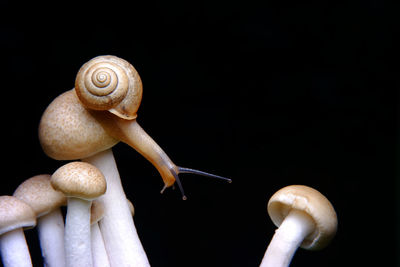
14, 214
38, 192
311, 202
80, 180
67, 131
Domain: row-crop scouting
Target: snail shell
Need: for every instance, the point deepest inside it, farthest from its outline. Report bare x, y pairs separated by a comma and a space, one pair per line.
110, 83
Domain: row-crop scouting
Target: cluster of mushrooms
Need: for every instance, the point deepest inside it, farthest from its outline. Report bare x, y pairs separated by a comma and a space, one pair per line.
81, 126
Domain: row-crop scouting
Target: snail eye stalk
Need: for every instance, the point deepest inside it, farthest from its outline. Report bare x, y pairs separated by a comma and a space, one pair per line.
178, 181
192, 171
206, 174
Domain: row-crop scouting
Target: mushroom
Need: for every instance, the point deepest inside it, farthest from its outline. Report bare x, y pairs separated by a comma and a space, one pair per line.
74, 128
304, 218
46, 202
81, 182
14, 216
99, 253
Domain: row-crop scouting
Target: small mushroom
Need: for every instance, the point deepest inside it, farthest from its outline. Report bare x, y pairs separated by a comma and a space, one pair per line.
81, 182
15, 215
304, 218
46, 202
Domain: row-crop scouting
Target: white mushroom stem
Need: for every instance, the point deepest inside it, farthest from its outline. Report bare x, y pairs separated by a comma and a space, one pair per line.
119, 233
14, 249
51, 236
287, 238
99, 253
78, 250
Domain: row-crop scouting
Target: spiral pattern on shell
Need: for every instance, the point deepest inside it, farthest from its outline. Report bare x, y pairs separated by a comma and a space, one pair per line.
109, 83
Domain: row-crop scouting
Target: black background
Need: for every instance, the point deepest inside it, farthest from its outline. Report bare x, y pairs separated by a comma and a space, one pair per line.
267, 94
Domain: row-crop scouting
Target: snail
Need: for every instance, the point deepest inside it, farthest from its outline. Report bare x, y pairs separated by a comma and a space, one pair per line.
101, 111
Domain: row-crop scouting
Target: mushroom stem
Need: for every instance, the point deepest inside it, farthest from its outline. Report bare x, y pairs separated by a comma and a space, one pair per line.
287, 238
99, 253
117, 228
14, 249
77, 233
51, 236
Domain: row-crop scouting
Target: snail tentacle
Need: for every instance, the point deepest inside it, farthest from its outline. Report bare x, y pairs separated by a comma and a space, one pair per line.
206, 174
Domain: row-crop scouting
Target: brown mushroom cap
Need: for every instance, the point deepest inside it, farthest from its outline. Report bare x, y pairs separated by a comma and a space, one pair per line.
311, 202
14, 214
38, 192
80, 180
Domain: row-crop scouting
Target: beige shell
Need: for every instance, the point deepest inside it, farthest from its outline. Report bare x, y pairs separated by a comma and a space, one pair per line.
110, 83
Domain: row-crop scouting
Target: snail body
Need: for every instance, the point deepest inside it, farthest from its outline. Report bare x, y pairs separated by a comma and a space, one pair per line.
69, 131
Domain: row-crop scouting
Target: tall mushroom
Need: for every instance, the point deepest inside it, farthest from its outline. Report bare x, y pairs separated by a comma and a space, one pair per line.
305, 218
46, 202
81, 182
73, 127
15, 215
